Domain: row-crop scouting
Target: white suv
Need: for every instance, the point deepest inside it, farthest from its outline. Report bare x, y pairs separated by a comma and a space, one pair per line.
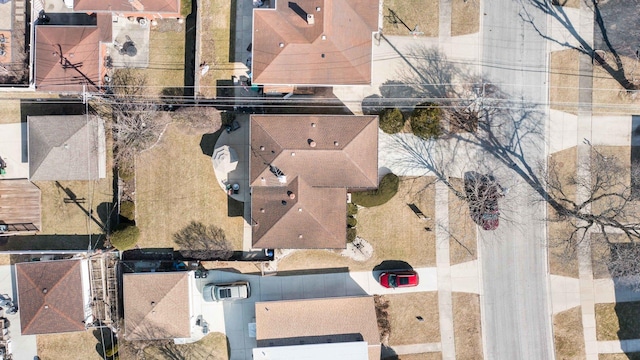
228, 291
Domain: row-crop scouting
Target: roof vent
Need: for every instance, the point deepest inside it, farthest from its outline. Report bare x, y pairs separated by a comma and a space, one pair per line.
313, 124
153, 303
281, 45
282, 179
299, 209
46, 306
335, 143
291, 195
322, 56
324, 37
311, 19
45, 290
284, 202
311, 143
293, 153
299, 236
261, 148
318, 8
261, 210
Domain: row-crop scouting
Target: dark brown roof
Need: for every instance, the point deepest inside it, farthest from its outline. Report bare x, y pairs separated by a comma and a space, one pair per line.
156, 305
334, 50
50, 296
320, 156
67, 57
136, 6
318, 321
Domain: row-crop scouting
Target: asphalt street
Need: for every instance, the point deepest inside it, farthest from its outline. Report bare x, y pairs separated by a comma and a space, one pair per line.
516, 314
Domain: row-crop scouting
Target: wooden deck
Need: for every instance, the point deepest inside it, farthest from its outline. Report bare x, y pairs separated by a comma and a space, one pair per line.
20, 203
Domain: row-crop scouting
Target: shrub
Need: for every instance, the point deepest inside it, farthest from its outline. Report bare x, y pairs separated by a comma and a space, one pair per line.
391, 120
386, 190
351, 234
125, 237
425, 121
128, 210
352, 209
351, 221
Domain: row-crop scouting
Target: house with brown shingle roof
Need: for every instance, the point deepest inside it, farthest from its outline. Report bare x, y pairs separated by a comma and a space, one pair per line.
67, 58
156, 305
332, 328
301, 167
53, 296
314, 42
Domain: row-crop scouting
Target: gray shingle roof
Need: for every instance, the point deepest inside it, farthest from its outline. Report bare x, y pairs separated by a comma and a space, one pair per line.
66, 147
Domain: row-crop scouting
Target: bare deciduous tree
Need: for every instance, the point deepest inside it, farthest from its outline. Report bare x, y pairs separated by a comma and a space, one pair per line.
136, 118
203, 242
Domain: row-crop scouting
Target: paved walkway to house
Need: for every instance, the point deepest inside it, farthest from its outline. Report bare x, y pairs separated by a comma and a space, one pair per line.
417, 348
445, 305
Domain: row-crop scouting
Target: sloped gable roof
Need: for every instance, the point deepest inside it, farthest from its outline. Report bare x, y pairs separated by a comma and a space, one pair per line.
156, 305
334, 50
65, 147
137, 6
50, 297
310, 321
320, 157
67, 57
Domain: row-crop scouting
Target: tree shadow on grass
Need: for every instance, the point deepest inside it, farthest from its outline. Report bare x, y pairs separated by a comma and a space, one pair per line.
208, 142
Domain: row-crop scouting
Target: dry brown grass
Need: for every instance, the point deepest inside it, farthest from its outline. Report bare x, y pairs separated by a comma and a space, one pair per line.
465, 17
625, 356
564, 80
211, 347
463, 244
5, 259
568, 335
166, 63
570, 3
394, 231
175, 184
607, 91
467, 327
423, 13
562, 262
72, 346
618, 321
10, 111
421, 356
215, 40
405, 328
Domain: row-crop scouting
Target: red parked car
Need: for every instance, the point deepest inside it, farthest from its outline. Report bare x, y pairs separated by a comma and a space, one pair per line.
396, 279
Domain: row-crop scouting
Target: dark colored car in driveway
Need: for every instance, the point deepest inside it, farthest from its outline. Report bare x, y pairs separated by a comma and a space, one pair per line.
483, 192
398, 279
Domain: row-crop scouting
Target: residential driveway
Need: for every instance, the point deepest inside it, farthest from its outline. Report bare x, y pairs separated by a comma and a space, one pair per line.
13, 150
236, 318
22, 346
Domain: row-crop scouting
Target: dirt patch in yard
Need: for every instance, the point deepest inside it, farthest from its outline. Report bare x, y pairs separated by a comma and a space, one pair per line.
465, 17
564, 80
421, 356
467, 326
463, 244
10, 111
562, 261
393, 229
425, 14
406, 329
568, 335
75, 345
175, 184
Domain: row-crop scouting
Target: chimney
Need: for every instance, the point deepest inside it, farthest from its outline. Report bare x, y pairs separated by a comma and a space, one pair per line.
311, 19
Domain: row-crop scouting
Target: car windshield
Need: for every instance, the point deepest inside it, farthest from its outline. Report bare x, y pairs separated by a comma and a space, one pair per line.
489, 216
225, 293
392, 280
